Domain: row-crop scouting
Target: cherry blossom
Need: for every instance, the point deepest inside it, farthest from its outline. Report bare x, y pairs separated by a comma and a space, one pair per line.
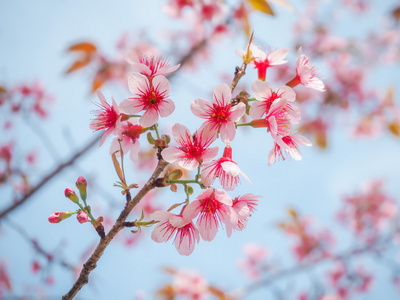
244, 206
265, 96
214, 207
107, 117
149, 96
219, 113
306, 74
82, 217
192, 150
150, 66
291, 145
225, 169
254, 261
170, 224
262, 61
128, 135
190, 284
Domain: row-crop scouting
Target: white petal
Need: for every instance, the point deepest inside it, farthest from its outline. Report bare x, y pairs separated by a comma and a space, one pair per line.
137, 83
166, 107
277, 57
200, 108
161, 84
228, 132
287, 93
237, 112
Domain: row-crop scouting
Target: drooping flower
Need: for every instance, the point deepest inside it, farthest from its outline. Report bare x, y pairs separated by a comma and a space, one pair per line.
150, 66
214, 207
225, 169
107, 117
186, 234
279, 119
290, 145
128, 134
265, 96
244, 206
192, 150
306, 74
149, 96
262, 61
220, 115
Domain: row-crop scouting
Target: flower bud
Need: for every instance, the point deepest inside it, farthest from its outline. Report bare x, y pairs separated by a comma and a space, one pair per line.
81, 184
57, 217
82, 217
71, 195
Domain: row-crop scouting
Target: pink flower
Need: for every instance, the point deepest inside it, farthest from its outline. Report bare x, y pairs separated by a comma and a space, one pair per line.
253, 264
150, 96
244, 206
225, 169
263, 61
265, 96
192, 150
82, 217
215, 208
129, 133
186, 234
279, 119
219, 113
190, 285
306, 74
150, 66
290, 145
107, 117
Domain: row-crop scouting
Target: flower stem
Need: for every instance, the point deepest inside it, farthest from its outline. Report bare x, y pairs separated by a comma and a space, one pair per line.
157, 132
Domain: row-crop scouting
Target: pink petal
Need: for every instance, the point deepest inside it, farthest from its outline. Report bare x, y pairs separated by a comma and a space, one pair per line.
149, 118
223, 197
237, 112
134, 155
228, 132
180, 133
210, 153
287, 93
231, 168
166, 108
257, 109
161, 84
130, 106
105, 135
141, 68
261, 90
277, 57
101, 97
208, 173
222, 94
172, 154
208, 230
200, 108
137, 82
301, 140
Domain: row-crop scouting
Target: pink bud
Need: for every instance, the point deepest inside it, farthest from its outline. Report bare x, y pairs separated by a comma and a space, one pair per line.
71, 195
81, 184
82, 217
57, 217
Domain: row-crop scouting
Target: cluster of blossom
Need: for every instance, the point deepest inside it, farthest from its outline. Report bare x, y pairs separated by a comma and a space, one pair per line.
26, 98
369, 211
254, 263
213, 207
354, 64
310, 244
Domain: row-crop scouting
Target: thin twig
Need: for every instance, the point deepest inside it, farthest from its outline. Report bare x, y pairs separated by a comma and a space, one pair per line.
91, 263
45, 180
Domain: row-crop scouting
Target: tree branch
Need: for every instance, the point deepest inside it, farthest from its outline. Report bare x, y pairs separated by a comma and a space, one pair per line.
91, 263
50, 176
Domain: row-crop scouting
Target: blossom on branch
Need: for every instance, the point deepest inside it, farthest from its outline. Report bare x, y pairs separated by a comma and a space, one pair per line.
186, 234
262, 61
107, 117
290, 145
150, 66
220, 115
214, 207
192, 150
225, 169
150, 96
